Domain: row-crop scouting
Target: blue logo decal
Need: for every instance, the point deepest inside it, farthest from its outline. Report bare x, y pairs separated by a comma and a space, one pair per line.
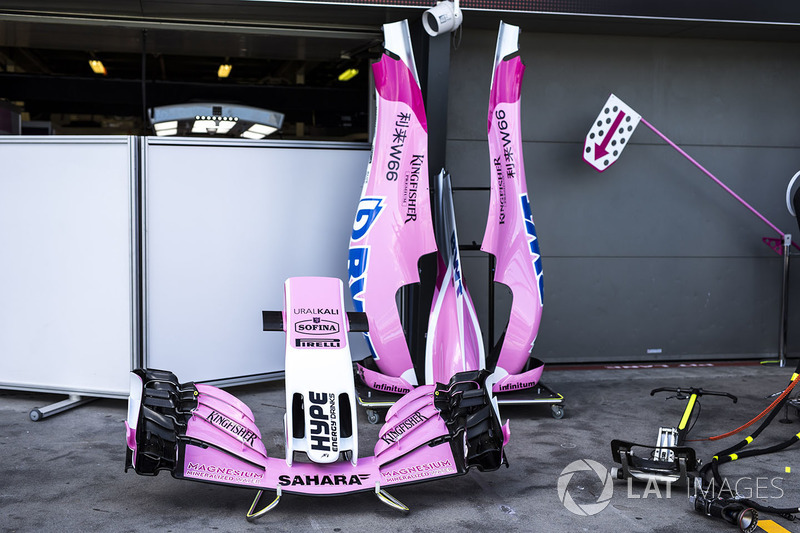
357, 259
357, 270
456, 266
366, 213
533, 243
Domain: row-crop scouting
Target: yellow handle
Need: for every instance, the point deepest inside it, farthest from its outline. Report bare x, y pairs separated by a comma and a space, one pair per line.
688, 412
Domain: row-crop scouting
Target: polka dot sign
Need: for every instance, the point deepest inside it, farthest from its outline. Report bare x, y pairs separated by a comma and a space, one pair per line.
610, 133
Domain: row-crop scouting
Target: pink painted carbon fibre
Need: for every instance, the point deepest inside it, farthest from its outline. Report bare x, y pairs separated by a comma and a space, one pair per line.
130, 440
413, 401
510, 233
213, 394
236, 439
393, 226
402, 454
378, 381
396, 438
525, 380
454, 342
455, 338
420, 464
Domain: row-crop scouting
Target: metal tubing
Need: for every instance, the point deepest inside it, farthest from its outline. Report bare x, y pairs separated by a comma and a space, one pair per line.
787, 242
73, 401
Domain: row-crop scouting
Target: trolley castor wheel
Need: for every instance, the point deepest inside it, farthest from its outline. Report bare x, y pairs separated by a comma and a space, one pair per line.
373, 417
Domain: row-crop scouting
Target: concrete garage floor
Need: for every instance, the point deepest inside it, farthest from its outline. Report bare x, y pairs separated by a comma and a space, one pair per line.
65, 473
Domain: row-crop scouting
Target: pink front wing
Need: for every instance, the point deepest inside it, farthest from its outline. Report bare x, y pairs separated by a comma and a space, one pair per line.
402, 454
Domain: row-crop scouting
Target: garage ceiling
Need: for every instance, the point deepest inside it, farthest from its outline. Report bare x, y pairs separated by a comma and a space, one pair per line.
278, 63
286, 56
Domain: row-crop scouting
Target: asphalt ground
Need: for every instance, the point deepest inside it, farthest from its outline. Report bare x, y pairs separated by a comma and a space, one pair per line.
66, 473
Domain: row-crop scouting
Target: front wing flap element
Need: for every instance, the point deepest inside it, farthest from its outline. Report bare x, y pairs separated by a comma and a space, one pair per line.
159, 408
202, 433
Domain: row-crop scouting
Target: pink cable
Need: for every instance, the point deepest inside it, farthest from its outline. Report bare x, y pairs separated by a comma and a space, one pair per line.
710, 175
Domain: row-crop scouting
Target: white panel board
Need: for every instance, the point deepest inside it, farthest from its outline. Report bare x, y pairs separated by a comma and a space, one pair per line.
67, 314
226, 223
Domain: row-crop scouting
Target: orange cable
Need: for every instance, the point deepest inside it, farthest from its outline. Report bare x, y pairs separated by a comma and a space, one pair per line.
757, 418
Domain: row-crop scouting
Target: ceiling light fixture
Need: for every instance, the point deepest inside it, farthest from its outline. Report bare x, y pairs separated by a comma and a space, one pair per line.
258, 131
224, 70
348, 74
170, 127
97, 66
220, 120
213, 125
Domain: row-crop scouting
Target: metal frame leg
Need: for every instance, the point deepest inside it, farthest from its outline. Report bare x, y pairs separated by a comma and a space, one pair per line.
73, 401
787, 243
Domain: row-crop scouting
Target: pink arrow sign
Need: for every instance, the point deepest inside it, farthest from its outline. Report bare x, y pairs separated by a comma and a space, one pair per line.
600, 150
610, 133
609, 136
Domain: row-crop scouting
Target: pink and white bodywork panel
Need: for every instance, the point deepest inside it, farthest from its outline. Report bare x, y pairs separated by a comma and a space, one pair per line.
319, 371
510, 233
393, 226
454, 342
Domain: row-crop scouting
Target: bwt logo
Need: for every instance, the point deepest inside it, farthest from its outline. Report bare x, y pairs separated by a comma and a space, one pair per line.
366, 214
357, 258
533, 243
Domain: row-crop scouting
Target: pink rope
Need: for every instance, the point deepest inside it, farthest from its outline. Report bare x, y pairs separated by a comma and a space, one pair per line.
710, 175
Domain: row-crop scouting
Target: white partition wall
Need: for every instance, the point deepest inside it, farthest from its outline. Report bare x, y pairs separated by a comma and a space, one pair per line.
226, 222
67, 269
